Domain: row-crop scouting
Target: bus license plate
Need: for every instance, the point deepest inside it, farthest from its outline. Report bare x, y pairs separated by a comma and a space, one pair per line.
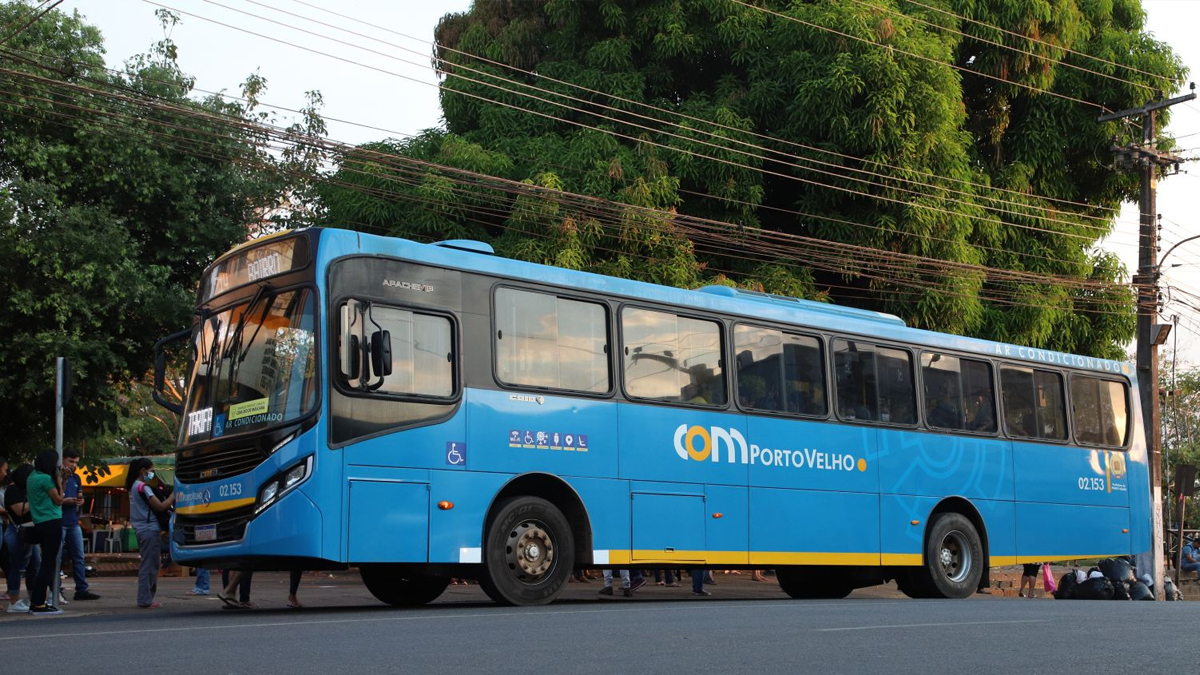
206, 533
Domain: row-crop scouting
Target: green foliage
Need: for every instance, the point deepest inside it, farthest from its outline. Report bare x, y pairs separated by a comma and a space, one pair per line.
888, 87
106, 222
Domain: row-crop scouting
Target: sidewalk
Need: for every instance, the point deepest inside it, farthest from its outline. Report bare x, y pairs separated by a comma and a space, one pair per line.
344, 589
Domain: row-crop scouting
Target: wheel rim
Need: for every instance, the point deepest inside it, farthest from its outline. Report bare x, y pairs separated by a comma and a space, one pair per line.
954, 554
530, 551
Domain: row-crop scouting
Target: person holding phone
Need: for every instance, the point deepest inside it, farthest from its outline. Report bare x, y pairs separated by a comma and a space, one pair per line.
72, 535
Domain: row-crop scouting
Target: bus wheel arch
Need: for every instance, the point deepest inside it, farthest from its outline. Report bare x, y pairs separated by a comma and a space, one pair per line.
530, 540
960, 523
556, 491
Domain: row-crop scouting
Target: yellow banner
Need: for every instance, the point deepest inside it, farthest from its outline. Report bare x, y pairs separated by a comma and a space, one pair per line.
256, 407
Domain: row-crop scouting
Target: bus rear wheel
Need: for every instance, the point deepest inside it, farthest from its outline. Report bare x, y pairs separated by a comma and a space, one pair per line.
396, 586
813, 583
529, 552
953, 560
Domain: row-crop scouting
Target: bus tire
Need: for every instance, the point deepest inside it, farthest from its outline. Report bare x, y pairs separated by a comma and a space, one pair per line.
395, 586
953, 560
529, 552
813, 583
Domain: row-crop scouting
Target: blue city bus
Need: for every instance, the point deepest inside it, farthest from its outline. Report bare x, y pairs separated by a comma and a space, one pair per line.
429, 411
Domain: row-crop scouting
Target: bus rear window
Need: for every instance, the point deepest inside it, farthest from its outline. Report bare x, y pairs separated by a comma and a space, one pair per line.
1100, 409
1033, 403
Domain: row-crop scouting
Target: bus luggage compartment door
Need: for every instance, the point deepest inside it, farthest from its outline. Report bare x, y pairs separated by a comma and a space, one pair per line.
389, 521
668, 527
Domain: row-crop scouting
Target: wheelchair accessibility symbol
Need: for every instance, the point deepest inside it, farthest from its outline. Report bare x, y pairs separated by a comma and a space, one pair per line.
456, 453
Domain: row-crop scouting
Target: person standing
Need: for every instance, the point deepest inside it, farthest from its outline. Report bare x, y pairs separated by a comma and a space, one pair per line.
45, 507
698, 582
143, 504
72, 535
23, 558
203, 579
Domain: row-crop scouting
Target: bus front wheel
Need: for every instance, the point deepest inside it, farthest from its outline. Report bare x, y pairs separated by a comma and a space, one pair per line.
813, 583
953, 560
393, 585
529, 552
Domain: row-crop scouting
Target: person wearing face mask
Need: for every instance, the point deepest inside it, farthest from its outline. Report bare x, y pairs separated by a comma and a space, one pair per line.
143, 505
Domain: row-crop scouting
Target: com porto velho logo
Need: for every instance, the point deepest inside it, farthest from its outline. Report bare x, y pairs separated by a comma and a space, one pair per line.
710, 444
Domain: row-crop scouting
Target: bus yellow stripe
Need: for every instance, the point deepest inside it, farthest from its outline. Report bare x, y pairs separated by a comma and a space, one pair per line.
214, 507
769, 558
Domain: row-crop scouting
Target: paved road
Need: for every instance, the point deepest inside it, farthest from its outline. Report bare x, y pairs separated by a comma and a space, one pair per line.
733, 632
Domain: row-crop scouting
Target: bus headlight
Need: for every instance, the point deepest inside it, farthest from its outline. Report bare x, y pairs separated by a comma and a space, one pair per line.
283, 483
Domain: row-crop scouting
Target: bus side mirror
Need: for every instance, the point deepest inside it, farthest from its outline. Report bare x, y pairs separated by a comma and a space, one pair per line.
353, 362
160, 370
381, 353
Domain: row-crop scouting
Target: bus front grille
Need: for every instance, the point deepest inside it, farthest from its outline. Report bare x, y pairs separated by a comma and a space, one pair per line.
207, 464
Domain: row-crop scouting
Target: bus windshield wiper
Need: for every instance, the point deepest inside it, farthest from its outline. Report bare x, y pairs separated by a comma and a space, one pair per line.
233, 345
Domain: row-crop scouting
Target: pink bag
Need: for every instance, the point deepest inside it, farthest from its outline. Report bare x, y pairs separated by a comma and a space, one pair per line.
1048, 579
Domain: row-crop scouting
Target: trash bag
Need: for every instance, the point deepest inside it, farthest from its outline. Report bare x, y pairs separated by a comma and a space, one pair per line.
1066, 586
1080, 576
1140, 591
1117, 569
1170, 591
1120, 590
1096, 588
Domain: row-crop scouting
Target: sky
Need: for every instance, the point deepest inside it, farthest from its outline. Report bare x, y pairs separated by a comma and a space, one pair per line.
382, 81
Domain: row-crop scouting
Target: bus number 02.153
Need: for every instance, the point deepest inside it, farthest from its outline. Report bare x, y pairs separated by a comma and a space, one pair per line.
230, 490
1091, 483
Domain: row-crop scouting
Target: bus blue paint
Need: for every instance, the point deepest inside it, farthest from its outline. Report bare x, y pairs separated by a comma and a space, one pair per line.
661, 484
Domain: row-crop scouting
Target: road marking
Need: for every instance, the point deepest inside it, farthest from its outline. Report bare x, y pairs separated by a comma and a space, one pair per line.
931, 625
673, 607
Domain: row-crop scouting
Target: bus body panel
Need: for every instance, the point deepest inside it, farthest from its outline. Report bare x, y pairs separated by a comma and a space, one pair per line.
515, 433
698, 446
436, 446
814, 455
727, 525
1064, 531
933, 464
389, 521
813, 527
456, 533
608, 508
668, 523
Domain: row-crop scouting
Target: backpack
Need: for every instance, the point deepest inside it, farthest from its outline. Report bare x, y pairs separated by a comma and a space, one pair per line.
163, 517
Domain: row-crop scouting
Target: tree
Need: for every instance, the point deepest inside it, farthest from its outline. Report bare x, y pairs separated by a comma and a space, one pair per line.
948, 147
115, 193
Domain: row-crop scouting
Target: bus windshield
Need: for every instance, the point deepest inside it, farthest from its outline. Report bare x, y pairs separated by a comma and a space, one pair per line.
254, 366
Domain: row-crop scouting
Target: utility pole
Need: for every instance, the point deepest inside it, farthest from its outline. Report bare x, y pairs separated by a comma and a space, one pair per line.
1150, 161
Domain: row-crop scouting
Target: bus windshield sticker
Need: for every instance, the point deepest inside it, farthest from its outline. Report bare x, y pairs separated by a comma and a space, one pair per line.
218, 426
456, 453
255, 407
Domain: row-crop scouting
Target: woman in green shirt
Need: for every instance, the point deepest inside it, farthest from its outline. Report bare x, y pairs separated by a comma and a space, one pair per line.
45, 505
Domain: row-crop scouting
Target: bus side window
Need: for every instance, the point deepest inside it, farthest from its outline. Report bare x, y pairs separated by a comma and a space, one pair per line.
857, 385
672, 358
779, 372
1100, 409
1016, 386
958, 393
546, 341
